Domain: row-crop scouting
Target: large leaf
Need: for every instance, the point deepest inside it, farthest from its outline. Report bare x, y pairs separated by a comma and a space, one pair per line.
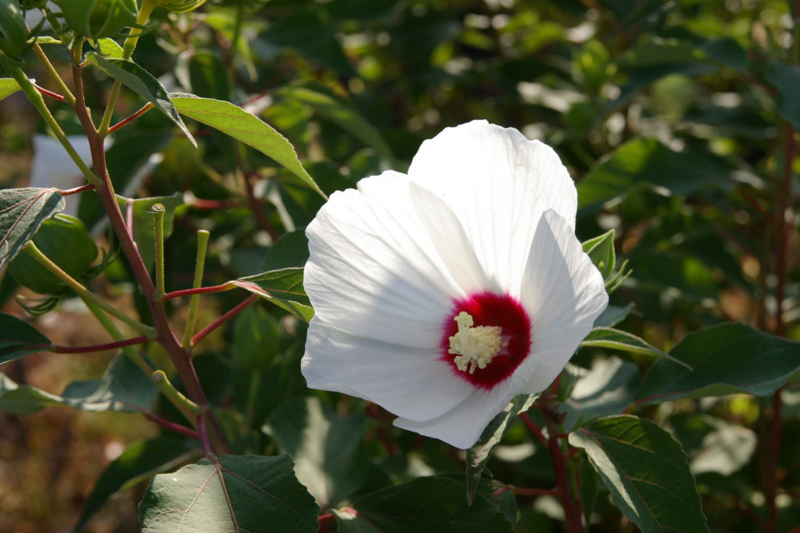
615, 339
326, 449
259, 495
18, 339
246, 128
786, 78
138, 462
645, 162
727, 358
122, 388
478, 456
8, 86
425, 505
646, 471
283, 287
608, 388
343, 114
22, 211
142, 83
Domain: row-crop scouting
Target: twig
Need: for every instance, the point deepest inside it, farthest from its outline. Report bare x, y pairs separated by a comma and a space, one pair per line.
203, 333
200, 290
91, 349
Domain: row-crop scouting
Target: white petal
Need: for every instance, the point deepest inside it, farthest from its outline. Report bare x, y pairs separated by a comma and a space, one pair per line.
564, 293
411, 383
461, 427
451, 242
372, 269
498, 183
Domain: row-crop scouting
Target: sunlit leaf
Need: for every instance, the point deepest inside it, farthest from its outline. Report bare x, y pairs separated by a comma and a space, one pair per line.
615, 339
283, 287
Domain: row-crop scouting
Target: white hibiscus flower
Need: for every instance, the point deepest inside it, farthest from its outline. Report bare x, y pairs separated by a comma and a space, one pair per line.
442, 294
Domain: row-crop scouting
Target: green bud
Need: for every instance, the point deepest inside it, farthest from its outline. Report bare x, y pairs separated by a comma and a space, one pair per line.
65, 241
13, 32
256, 337
97, 19
181, 6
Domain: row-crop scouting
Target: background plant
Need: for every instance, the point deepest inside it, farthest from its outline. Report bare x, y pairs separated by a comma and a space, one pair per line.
677, 119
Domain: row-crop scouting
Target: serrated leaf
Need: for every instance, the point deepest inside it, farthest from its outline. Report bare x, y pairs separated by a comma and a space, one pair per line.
138, 462
244, 127
727, 359
424, 505
601, 251
615, 339
18, 339
646, 471
342, 114
283, 287
478, 456
8, 86
260, 495
142, 83
329, 459
22, 211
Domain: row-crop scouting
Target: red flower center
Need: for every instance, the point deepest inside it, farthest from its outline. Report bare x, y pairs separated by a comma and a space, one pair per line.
489, 309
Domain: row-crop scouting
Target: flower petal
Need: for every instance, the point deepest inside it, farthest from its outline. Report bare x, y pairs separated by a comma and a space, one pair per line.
462, 426
451, 242
412, 383
498, 183
372, 269
563, 292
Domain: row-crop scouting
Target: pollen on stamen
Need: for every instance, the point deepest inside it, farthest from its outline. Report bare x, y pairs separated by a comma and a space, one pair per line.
475, 347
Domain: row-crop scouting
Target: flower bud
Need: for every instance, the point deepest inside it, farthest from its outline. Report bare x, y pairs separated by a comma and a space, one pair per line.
96, 19
65, 241
181, 6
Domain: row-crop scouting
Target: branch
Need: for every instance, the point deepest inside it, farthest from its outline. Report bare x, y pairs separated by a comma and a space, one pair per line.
203, 333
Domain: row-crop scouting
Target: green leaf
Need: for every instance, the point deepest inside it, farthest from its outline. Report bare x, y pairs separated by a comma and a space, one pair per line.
646, 471
612, 315
343, 114
22, 212
256, 337
615, 339
424, 505
727, 359
608, 388
290, 250
283, 287
8, 86
123, 387
246, 128
327, 449
259, 495
480, 453
13, 31
23, 399
646, 162
601, 251
142, 83
109, 48
786, 78
18, 339
144, 224
138, 462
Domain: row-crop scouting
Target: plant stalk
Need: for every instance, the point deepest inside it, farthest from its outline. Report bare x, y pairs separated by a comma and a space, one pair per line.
199, 266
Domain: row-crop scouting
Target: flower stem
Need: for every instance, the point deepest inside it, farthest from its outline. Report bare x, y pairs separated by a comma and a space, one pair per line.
127, 52
84, 293
199, 266
158, 212
48, 66
36, 99
188, 408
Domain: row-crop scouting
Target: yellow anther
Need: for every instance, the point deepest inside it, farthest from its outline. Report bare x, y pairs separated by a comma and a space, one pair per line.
475, 347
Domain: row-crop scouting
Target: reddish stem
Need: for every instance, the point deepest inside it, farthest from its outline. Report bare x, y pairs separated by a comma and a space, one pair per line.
172, 426
326, 522
200, 290
534, 492
130, 119
76, 190
95, 348
533, 428
199, 203
49, 93
203, 333
562, 479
